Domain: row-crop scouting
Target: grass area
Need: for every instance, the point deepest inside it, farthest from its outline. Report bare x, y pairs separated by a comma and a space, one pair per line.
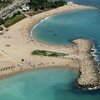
48, 53
14, 19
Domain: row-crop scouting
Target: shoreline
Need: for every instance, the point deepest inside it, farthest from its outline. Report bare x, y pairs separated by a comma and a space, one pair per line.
37, 68
73, 8
21, 45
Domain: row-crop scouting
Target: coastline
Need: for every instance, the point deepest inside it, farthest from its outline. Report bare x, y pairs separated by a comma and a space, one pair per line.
47, 14
37, 68
22, 44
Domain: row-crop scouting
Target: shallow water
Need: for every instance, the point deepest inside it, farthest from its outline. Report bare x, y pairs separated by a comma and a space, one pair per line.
46, 84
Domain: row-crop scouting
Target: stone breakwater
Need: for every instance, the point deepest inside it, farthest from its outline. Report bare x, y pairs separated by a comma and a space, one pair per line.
89, 68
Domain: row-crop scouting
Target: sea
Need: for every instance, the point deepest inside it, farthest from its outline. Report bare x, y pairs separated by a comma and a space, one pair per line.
57, 83
85, 2
45, 84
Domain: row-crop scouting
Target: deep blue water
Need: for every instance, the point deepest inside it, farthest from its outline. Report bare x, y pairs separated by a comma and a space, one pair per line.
48, 84
87, 2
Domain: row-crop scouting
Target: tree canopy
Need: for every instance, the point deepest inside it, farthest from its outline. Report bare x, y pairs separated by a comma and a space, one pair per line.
42, 4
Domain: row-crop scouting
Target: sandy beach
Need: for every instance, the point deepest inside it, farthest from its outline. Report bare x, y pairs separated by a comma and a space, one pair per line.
17, 43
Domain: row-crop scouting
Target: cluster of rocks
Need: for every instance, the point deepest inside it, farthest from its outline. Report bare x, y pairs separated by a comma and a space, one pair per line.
89, 68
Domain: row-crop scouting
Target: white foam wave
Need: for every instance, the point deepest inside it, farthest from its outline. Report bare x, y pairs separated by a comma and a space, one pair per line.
94, 88
40, 22
35, 26
96, 57
47, 18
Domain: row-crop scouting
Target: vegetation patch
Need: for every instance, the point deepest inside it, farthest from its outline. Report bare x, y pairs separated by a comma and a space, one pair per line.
43, 5
48, 53
14, 19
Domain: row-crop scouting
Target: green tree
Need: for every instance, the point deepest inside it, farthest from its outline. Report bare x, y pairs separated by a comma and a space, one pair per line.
42, 4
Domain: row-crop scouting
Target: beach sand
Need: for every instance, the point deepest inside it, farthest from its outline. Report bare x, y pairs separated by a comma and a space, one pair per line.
17, 44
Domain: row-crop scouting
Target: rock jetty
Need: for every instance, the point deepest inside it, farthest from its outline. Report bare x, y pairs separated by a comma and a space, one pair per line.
89, 77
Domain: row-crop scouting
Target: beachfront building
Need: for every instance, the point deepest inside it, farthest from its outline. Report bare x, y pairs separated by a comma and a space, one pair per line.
13, 8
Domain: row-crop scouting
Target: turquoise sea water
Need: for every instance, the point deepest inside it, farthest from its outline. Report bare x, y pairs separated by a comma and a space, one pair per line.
69, 26
63, 28
48, 84
86, 2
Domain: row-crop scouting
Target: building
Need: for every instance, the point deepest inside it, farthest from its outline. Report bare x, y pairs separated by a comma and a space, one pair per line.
13, 8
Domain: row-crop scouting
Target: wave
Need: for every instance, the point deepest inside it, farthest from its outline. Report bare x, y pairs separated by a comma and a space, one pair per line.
94, 54
40, 22
35, 26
